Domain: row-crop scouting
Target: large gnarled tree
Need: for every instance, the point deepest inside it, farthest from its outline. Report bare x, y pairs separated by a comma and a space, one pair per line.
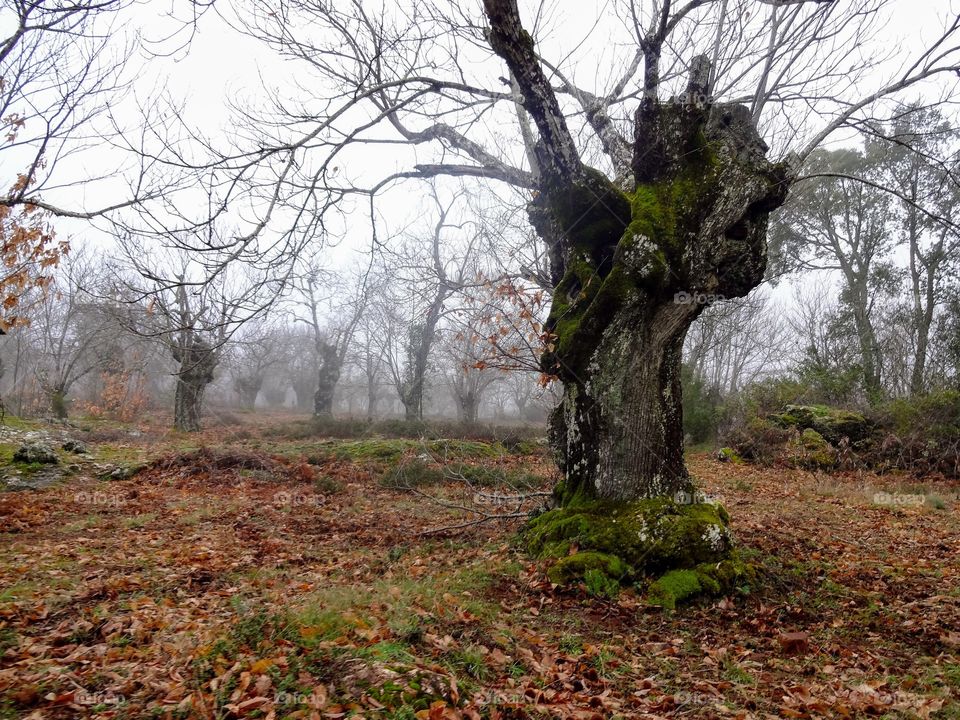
648, 193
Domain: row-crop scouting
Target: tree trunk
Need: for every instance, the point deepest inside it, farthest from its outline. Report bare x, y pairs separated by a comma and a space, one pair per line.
468, 406
197, 363
413, 407
188, 404
372, 398
869, 349
247, 389
619, 427
59, 404
327, 379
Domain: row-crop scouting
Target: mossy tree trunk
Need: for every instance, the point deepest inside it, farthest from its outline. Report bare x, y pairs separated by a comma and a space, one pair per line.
58, 403
634, 263
197, 363
328, 376
247, 388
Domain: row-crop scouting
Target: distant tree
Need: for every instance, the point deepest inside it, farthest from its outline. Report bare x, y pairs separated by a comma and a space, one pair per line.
917, 153
428, 275
837, 222
192, 310
252, 353
320, 293
74, 334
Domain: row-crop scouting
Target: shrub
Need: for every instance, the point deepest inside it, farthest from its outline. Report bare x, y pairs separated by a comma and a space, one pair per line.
918, 435
922, 434
758, 440
701, 409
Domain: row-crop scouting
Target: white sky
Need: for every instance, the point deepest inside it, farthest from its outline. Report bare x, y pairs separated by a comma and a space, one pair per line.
221, 65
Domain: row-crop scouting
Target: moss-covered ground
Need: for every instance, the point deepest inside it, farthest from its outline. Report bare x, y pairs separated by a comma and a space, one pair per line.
282, 577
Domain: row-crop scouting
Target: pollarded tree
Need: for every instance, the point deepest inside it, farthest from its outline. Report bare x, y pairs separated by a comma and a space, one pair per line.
317, 291
651, 184
192, 311
254, 351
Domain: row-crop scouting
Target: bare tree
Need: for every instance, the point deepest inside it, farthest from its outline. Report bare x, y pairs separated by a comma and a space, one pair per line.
316, 290
424, 276
192, 310
467, 377
73, 332
252, 353
633, 207
737, 342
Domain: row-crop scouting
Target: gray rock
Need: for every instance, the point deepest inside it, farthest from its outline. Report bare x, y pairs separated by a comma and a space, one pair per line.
75, 446
36, 452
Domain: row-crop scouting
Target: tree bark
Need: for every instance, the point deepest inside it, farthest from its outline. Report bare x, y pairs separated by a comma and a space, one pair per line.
619, 427
634, 269
197, 363
188, 404
327, 379
59, 404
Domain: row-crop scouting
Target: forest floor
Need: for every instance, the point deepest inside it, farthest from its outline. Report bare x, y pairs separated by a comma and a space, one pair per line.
279, 574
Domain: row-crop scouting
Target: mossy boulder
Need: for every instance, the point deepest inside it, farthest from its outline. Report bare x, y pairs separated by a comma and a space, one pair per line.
574, 567
602, 545
629, 540
832, 423
36, 452
810, 450
729, 455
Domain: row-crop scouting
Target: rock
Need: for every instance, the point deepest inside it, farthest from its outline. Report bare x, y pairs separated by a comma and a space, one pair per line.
14, 483
832, 423
122, 473
811, 450
36, 452
728, 455
75, 446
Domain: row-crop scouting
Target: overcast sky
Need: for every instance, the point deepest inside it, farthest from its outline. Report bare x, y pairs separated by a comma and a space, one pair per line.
218, 65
